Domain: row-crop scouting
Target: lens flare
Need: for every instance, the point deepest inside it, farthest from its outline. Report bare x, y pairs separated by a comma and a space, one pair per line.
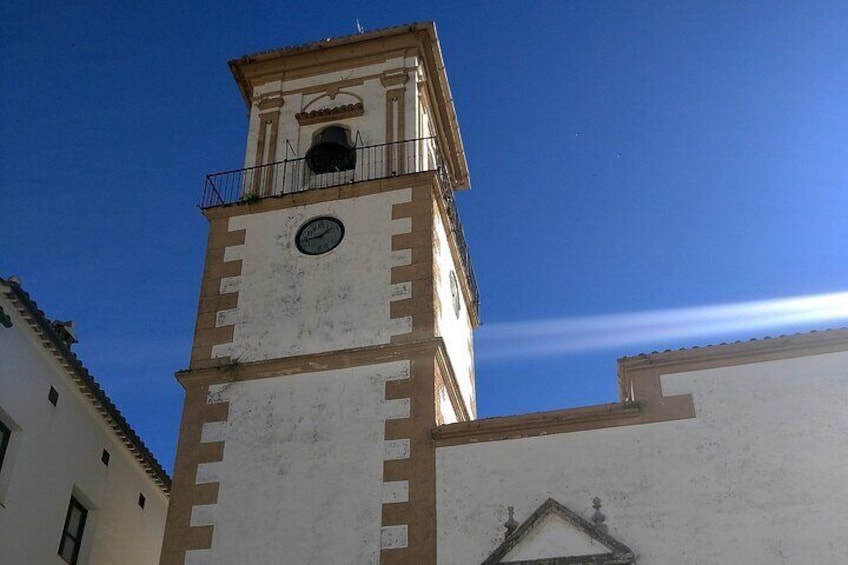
551, 337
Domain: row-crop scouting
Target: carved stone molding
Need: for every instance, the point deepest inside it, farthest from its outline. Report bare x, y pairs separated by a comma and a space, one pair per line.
394, 78
330, 114
267, 103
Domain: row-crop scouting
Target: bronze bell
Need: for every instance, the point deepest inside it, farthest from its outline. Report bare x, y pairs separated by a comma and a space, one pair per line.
331, 152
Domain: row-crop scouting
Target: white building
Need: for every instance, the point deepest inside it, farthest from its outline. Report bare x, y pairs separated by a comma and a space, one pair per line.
77, 485
330, 414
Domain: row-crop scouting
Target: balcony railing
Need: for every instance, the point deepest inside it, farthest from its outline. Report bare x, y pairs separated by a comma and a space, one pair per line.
373, 162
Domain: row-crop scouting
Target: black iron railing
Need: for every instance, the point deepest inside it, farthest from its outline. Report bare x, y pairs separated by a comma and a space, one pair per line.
372, 162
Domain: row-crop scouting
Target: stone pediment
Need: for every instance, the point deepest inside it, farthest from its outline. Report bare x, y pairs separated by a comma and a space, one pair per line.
554, 535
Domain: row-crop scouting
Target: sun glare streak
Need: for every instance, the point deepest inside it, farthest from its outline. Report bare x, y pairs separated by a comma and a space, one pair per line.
550, 337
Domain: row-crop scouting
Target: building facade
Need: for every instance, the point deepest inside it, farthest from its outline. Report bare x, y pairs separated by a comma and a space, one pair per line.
330, 403
77, 485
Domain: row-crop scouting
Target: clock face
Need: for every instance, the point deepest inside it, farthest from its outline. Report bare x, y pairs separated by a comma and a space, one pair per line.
319, 235
454, 289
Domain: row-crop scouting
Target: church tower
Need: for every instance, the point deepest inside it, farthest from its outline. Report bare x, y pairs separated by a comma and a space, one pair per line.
334, 329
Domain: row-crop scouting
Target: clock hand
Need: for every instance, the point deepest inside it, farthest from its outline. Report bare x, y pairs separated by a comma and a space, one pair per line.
319, 236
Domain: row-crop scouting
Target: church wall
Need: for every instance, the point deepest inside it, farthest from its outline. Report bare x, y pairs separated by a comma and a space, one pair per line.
293, 304
55, 452
755, 477
293, 446
454, 329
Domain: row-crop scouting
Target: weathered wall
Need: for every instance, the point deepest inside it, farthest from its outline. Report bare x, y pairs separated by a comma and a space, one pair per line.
55, 452
454, 329
292, 304
301, 480
756, 477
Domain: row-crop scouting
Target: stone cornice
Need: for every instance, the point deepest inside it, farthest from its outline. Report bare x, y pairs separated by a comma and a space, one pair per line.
538, 424
330, 114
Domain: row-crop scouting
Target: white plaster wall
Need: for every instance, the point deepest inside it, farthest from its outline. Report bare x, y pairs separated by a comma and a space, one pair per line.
445, 410
758, 477
301, 478
291, 304
455, 330
371, 125
55, 451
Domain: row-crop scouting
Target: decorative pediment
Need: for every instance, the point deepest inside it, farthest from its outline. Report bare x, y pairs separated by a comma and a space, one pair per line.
330, 114
554, 535
334, 104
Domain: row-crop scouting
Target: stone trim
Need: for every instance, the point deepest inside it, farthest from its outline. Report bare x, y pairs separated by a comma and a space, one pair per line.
271, 102
330, 114
183, 533
307, 197
418, 274
395, 131
538, 424
408, 533
309, 363
331, 89
618, 554
394, 77
213, 300
397, 454
269, 124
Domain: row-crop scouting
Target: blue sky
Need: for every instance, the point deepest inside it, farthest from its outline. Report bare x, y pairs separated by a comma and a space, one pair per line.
625, 158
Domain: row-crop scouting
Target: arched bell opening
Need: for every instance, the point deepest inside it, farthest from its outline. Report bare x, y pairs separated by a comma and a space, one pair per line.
331, 151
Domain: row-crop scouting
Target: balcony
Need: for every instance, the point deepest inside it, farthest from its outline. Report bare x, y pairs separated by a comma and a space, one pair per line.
371, 162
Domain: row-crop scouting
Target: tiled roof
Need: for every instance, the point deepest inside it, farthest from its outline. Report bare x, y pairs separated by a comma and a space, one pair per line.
764, 343
89, 387
333, 41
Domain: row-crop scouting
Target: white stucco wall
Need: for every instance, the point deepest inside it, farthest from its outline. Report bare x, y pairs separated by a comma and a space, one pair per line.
55, 452
291, 304
301, 478
454, 329
758, 477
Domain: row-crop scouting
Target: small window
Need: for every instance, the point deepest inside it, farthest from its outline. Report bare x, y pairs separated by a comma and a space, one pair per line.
104, 457
5, 434
53, 396
72, 532
141, 500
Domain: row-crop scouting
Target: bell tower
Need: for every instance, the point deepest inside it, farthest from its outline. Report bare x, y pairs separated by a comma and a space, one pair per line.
334, 328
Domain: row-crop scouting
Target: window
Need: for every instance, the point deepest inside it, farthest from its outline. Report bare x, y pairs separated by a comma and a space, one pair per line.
5, 434
141, 500
104, 457
53, 396
72, 532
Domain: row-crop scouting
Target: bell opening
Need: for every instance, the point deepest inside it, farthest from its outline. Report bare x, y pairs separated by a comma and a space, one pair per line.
331, 152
